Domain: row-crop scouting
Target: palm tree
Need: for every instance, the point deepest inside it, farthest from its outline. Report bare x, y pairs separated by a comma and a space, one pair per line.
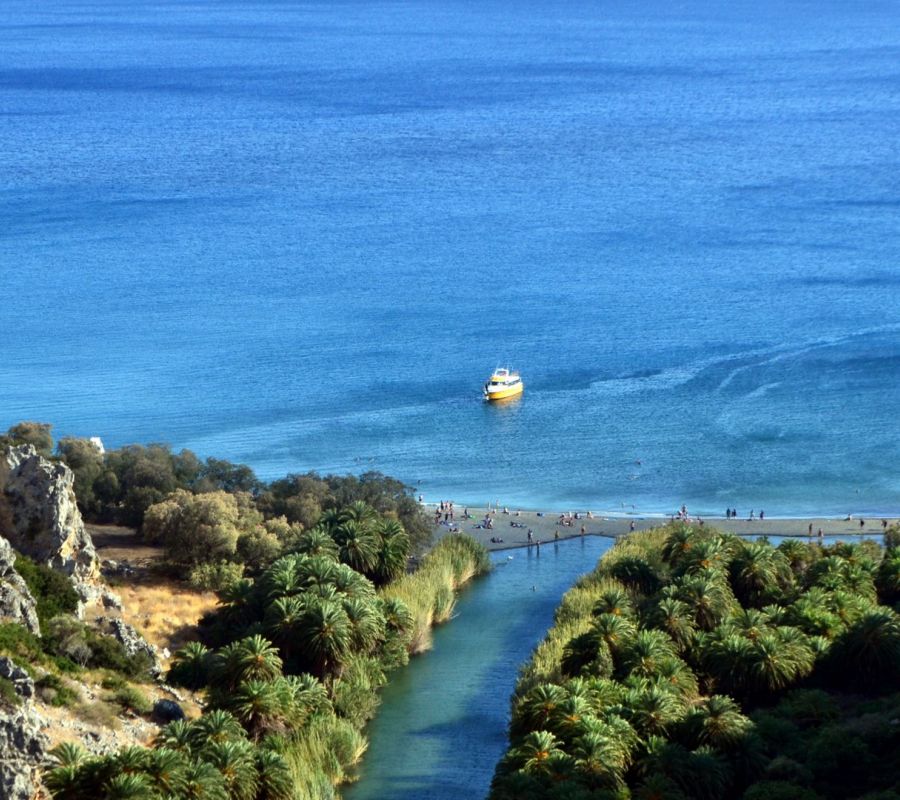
317, 542
887, 579
315, 571
587, 654
132, 760
393, 554
614, 600
326, 636
758, 667
653, 710
614, 630
215, 726
636, 573
717, 722
360, 513
674, 618
281, 621
259, 706
569, 716
275, 781
674, 675
709, 553
330, 520
708, 597
166, 771
869, 650
281, 579
235, 763
358, 546
190, 666
68, 780
535, 752
252, 658
535, 710
349, 582
367, 625
798, 554
128, 786
679, 543
178, 735
643, 654
600, 759
202, 781
759, 574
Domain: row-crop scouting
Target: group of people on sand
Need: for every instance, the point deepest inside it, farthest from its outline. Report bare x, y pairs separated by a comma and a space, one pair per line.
731, 513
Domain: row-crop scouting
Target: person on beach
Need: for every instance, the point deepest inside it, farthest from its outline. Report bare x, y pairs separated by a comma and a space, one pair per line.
751, 514
583, 530
862, 524
820, 533
762, 515
810, 529
884, 524
556, 535
530, 535
632, 526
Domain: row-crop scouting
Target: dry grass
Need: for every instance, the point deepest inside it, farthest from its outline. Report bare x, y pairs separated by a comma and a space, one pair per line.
165, 612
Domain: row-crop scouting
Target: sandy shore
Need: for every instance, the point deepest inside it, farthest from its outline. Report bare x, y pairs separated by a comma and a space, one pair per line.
544, 526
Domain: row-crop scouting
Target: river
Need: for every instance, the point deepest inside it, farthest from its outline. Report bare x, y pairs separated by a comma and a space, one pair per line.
442, 724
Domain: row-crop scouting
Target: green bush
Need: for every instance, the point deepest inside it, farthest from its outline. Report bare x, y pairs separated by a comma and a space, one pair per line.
9, 698
130, 698
51, 589
215, 577
52, 690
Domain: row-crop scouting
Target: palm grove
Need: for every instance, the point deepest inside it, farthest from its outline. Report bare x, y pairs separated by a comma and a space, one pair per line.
316, 608
692, 664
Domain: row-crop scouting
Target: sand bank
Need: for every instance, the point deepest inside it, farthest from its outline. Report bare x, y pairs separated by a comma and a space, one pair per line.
544, 526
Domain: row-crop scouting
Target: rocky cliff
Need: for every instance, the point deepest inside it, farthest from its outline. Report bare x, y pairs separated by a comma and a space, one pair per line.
40, 517
16, 603
23, 746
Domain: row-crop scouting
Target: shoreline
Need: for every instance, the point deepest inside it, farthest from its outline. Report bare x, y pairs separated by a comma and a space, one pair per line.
544, 526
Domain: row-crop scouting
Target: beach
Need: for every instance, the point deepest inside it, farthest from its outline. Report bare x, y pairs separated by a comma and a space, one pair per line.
512, 528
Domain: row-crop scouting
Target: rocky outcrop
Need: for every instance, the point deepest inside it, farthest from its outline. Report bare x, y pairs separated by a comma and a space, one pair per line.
23, 747
43, 519
131, 639
16, 603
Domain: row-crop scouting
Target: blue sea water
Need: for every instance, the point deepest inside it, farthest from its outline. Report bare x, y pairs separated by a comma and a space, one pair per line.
301, 234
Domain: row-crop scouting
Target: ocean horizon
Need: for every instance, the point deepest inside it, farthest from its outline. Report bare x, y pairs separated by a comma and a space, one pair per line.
300, 236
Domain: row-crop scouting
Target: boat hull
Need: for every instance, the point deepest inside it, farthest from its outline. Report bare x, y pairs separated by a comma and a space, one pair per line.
504, 394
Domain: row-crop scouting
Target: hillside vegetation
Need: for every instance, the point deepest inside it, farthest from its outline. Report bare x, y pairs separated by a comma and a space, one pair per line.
692, 664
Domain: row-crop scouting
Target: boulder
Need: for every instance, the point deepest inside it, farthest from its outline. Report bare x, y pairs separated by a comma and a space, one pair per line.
16, 602
166, 711
23, 747
43, 519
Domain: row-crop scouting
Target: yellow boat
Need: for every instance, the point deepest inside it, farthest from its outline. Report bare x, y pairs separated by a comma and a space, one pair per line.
503, 385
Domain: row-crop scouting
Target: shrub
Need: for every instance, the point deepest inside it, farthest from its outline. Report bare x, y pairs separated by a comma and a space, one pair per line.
51, 589
9, 697
215, 577
55, 692
130, 698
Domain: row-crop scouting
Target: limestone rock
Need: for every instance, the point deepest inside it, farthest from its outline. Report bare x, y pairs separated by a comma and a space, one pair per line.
20, 679
23, 747
43, 518
16, 603
132, 641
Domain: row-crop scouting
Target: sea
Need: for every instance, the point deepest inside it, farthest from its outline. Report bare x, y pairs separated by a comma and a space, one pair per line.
301, 235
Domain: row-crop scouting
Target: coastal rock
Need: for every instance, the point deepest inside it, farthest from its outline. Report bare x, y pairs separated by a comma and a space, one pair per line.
132, 641
16, 603
40, 517
23, 747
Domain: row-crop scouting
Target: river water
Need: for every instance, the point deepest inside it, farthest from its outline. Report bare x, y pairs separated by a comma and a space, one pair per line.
442, 724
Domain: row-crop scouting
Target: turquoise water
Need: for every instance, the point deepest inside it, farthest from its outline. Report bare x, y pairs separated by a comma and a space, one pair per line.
301, 234
441, 727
